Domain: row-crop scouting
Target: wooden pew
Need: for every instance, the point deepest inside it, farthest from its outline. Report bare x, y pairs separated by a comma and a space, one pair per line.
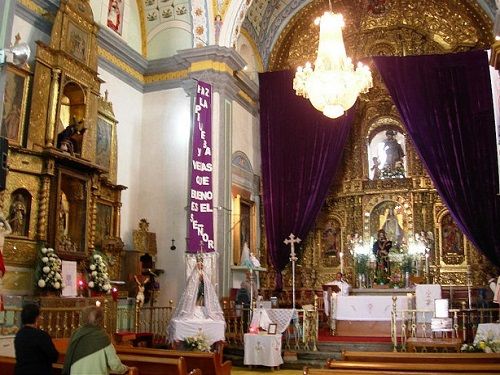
157, 365
209, 363
413, 357
7, 365
467, 368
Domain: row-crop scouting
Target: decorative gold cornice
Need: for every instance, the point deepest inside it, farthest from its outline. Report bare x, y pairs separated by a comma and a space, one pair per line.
120, 64
35, 8
167, 76
245, 97
217, 66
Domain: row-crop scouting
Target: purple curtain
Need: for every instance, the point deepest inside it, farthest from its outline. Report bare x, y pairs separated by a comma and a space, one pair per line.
446, 104
301, 150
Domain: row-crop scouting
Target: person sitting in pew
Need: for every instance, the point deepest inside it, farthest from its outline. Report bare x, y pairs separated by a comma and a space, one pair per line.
90, 350
35, 351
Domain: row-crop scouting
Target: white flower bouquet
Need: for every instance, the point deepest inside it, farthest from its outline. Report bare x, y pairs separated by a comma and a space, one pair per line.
197, 342
49, 270
98, 273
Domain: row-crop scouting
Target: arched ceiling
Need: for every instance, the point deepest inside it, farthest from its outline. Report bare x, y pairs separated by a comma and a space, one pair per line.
285, 36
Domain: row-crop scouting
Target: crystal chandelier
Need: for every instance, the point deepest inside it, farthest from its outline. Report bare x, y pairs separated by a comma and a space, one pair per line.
333, 85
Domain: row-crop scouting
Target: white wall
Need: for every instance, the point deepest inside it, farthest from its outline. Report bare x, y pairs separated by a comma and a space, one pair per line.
127, 106
246, 136
163, 178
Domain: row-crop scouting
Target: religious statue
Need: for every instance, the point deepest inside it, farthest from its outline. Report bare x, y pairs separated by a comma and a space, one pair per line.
199, 300
5, 230
376, 168
70, 139
393, 150
381, 249
393, 230
139, 299
17, 215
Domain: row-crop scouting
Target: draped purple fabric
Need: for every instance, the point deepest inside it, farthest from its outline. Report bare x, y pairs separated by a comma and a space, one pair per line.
301, 150
446, 104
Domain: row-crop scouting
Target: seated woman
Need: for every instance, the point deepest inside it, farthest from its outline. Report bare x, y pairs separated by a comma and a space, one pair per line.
90, 350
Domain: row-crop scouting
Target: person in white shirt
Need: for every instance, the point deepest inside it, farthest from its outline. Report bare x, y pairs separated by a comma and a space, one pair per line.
344, 290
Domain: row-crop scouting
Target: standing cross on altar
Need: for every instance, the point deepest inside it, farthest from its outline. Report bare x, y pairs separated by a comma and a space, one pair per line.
292, 240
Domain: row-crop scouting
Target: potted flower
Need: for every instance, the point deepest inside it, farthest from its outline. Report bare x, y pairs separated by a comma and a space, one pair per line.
98, 274
198, 342
48, 271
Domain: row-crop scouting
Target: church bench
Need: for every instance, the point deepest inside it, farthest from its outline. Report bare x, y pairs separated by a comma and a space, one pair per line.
420, 357
7, 365
402, 367
431, 343
208, 362
158, 366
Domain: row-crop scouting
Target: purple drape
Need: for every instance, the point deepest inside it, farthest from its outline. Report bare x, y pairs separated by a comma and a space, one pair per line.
301, 151
445, 102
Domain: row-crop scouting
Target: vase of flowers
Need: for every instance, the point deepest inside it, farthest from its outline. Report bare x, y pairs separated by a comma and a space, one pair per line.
98, 274
198, 342
48, 272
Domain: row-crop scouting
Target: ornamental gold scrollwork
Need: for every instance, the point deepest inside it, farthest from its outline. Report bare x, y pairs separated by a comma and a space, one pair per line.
18, 252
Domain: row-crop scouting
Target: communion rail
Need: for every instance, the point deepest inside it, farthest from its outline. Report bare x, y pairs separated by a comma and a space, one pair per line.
413, 324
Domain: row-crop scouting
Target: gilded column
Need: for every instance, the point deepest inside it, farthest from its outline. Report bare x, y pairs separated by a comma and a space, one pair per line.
54, 90
44, 208
93, 214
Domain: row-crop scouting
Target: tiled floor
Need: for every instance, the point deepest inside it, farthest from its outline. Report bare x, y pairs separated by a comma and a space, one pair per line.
262, 370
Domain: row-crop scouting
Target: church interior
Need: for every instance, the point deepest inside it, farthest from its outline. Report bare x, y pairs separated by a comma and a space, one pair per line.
181, 165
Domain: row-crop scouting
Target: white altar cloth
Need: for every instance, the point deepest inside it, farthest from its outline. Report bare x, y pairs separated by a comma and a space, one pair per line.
263, 350
212, 329
487, 332
281, 317
368, 308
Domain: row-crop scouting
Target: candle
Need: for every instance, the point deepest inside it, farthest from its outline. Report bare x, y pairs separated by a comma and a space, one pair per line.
114, 294
98, 303
341, 263
427, 267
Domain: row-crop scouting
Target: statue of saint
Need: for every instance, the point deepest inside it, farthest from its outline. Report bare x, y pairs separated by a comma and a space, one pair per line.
17, 215
393, 150
392, 229
139, 299
381, 249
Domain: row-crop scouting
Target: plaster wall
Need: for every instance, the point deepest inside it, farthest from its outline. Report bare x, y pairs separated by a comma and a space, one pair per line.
164, 176
127, 106
246, 137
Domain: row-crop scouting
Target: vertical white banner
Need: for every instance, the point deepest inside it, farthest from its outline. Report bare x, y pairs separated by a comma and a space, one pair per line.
69, 275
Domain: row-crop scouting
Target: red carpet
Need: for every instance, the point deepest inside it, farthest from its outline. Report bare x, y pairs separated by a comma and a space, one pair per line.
324, 336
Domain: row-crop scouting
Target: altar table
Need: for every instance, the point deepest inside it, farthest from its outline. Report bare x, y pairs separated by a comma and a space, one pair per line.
263, 350
365, 315
213, 329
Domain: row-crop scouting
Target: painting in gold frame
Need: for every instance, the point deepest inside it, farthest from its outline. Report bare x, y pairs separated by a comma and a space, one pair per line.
104, 223
77, 42
103, 143
14, 106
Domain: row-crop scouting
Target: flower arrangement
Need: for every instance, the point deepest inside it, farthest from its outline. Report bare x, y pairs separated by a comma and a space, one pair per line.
197, 342
98, 273
48, 272
487, 346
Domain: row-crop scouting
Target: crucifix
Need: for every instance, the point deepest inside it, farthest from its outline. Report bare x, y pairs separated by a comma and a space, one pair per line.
292, 240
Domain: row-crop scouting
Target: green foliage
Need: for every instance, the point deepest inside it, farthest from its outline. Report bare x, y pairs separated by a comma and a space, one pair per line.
361, 264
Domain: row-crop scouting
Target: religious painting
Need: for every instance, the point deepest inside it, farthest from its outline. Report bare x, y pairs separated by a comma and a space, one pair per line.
115, 15
103, 143
103, 225
14, 106
451, 237
77, 42
386, 154
389, 216
331, 242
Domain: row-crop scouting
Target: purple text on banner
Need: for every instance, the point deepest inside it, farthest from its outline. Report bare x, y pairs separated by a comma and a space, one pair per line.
201, 196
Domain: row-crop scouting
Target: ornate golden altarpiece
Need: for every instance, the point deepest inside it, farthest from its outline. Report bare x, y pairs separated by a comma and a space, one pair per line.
353, 206
61, 186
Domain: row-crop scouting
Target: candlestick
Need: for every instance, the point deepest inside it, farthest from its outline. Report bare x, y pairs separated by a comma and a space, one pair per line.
342, 263
427, 279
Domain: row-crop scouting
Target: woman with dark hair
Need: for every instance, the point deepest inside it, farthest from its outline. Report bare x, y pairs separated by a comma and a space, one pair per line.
35, 351
90, 350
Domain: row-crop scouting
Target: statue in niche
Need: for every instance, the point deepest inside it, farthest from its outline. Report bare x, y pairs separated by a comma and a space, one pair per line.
70, 139
452, 239
393, 230
375, 168
331, 238
63, 215
393, 150
17, 215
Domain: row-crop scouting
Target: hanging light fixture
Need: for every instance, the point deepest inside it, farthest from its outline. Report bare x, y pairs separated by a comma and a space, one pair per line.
333, 85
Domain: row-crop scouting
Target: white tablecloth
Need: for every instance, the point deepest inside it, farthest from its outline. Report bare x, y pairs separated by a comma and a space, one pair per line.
367, 308
263, 317
487, 331
263, 350
213, 330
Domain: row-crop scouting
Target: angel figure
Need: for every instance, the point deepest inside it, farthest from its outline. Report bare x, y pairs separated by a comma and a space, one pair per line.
139, 299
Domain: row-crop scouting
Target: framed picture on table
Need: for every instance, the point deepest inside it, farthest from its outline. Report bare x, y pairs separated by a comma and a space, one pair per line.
271, 330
